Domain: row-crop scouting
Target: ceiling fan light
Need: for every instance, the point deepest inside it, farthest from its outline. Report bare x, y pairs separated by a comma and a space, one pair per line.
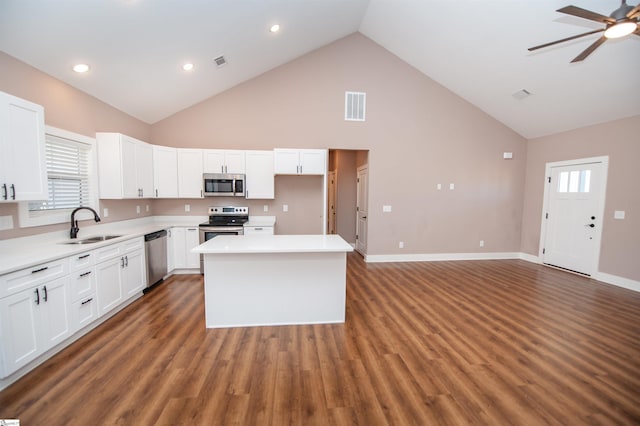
620, 29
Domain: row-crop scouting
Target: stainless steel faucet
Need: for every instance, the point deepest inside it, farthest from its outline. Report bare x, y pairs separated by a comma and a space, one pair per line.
74, 222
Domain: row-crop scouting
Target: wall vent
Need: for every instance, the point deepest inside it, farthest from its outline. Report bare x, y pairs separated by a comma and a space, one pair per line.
355, 106
220, 61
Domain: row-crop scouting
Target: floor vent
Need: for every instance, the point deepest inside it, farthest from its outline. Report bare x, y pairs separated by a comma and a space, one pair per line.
220, 61
355, 106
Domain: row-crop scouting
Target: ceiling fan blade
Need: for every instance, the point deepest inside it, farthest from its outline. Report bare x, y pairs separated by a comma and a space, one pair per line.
586, 14
633, 12
531, 49
589, 50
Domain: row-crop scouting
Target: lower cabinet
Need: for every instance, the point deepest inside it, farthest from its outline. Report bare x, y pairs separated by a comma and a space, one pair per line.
121, 275
33, 321
182, 240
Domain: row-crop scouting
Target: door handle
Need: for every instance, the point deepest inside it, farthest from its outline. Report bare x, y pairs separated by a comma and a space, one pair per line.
13, 192
5, 193
590, 225
45, 296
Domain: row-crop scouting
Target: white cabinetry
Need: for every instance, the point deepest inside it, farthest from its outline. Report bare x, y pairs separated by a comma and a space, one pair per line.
189, 173
183, 239
120, 273
259, 175
165, 172
34, 313
84, 307
223, 161
300, 161
23, 172
125, 166
258, 230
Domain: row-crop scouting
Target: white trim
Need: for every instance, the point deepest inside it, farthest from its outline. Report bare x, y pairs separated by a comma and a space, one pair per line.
617, 281
434, 257
25, 219
604, 160
530, 258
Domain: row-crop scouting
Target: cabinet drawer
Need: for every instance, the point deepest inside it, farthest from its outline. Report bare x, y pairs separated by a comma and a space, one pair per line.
31, 277
84, 312
131, 245
83, 283
107, 253
258, 230
82, 261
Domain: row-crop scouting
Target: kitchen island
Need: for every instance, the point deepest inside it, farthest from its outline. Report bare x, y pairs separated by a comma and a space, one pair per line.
257, 280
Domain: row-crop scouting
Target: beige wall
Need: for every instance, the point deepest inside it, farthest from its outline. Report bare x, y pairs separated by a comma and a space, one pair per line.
418, 133
620, 250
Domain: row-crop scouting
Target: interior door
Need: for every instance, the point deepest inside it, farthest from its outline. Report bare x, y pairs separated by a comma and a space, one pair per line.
361, 209
573, 218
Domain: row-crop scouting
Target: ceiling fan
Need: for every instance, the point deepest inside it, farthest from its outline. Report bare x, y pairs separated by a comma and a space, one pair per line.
622, 21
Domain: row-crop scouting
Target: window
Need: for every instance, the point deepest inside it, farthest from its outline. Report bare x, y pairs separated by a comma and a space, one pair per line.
575, 181
71, 179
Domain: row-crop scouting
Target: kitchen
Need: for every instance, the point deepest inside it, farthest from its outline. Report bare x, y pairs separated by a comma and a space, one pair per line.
409, 154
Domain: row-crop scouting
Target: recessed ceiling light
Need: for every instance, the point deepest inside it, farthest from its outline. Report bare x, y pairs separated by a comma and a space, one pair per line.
188, 66
80, 68
275, 28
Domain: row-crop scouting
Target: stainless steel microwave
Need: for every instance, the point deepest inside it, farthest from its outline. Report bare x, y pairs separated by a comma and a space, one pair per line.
223, 185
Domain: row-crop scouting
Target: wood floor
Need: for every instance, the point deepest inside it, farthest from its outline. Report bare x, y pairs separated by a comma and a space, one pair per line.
470, 342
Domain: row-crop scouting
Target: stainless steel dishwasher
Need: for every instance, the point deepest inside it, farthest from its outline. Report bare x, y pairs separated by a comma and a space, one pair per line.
155, 248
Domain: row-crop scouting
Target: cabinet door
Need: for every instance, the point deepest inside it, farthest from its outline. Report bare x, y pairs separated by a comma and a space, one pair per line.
129, 174
286, 161
190, 173
108, 284
55, 312
83, 312
213, 161
144, 169
191, 240
171, 257
19, 330
165, 172
133, 274
180, 255
313, 161
234, 161
259, 175
22, 144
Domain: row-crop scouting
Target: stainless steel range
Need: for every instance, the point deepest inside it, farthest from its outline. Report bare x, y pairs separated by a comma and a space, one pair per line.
227, 220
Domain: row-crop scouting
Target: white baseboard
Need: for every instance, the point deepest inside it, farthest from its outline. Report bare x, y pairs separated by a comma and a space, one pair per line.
433, 257
600, 276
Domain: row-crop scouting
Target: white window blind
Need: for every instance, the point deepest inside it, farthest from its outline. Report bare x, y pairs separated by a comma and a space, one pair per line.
68, 175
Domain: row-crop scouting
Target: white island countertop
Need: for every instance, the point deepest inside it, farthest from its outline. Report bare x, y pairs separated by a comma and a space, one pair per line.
273, 244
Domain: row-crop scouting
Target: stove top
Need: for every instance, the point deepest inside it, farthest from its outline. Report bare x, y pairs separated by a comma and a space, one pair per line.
227, 216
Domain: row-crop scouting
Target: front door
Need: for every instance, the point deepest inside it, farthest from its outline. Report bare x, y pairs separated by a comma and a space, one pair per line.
573, 217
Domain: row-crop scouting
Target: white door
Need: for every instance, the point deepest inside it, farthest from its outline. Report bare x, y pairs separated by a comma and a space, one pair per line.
361, 209
573, 217
331, 213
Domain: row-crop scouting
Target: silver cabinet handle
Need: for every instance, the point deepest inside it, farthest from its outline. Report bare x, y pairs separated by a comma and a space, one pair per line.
126, 261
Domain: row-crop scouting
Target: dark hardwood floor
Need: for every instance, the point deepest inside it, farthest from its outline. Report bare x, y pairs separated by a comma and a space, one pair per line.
469, 342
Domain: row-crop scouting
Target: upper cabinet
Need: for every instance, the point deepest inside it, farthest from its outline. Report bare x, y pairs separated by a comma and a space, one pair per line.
23, 171
125, 167
223, 161
189, 173
300, 161
165, 172
259, 175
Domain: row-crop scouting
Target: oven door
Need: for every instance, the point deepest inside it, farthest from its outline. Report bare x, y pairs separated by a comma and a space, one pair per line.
209, 232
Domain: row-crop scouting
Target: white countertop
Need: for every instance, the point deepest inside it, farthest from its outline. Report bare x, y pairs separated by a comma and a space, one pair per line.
273, 244
261, 221
25, 252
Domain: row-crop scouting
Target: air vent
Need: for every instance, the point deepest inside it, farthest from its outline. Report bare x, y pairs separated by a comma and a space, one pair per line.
220, 61
354, 106
521, 94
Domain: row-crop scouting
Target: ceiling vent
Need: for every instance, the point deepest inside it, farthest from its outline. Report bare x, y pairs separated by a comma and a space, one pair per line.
521, 94
220, 61
354, 106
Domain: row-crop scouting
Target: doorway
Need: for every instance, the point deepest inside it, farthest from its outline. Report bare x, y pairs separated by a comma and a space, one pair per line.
572, 214
361, 209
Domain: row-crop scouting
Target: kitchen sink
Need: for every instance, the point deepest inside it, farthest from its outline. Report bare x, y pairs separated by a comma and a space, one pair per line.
91, 240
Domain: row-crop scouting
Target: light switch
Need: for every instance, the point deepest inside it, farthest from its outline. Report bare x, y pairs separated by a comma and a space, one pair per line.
386, 209
105, 212
266, 208
452, 186
618, 214
285, 207
138, 209
187, 207
439, 187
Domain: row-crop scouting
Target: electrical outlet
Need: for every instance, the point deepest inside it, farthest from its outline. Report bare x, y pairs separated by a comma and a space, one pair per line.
285, 207
138, 209
481, 243
266, 208
439, 187
105, 212
386, 209
187, 207
401, 244
6, 222
147, 208
452, 186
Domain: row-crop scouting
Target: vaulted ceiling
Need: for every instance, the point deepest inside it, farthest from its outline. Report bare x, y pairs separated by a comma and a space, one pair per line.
475, 48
